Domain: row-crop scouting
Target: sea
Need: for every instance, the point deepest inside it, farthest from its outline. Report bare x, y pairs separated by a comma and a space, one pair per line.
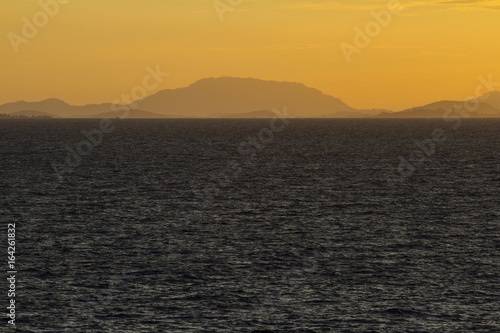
251, 225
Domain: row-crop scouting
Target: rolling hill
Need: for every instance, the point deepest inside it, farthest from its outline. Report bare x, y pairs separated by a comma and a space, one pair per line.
439, 109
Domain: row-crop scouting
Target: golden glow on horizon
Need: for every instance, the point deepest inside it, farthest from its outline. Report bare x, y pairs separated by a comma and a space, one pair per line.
93, 51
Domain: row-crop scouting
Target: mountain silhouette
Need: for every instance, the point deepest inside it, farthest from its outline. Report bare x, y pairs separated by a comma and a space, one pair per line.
481, 107
492, 98
229, 97
56, 107
212, 98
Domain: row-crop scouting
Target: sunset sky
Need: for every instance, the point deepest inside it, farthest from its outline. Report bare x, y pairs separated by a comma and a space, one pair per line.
93, 51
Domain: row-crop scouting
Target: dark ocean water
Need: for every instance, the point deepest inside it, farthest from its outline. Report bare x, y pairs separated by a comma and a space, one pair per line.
186, 226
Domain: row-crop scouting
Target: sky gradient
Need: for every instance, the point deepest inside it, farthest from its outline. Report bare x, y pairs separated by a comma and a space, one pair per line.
93, 51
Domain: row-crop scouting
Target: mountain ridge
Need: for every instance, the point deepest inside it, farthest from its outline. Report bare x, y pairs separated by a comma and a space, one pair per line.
245, 98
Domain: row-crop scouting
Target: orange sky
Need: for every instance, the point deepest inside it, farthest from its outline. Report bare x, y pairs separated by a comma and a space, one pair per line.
93, 51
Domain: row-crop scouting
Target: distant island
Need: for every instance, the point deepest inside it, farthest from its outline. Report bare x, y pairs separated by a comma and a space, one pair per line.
229, 97
4, 115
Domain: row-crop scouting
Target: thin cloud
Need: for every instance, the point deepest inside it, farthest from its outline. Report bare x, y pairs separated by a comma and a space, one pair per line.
366, 5
458, 5
437, 54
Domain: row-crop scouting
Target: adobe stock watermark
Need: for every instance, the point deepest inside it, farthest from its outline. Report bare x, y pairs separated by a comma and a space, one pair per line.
372, 29
427, 147
31, 26
225, 6
95, 136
